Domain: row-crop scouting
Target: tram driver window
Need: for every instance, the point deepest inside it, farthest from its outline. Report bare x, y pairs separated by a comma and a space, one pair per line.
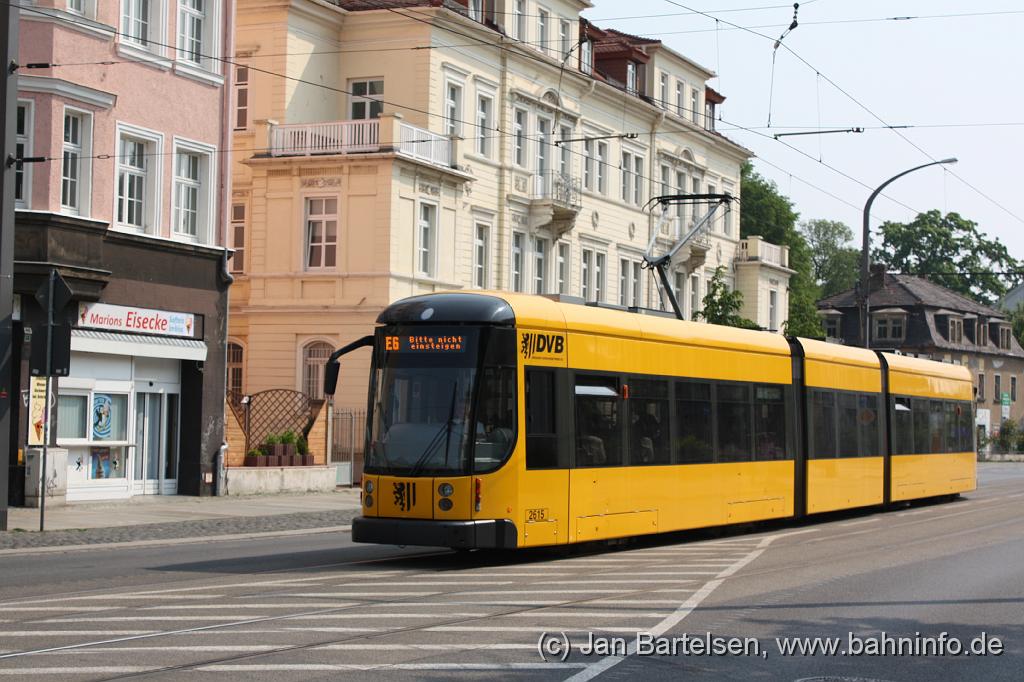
541, 431
598, 424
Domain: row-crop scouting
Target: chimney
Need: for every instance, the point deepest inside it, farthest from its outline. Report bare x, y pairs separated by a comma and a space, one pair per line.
877, 278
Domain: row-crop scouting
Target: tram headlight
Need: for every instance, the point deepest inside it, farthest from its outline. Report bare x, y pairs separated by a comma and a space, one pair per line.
444, 504
368, 500
369, 487
445, 490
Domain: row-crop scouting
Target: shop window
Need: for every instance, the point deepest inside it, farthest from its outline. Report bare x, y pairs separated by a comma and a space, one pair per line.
694, 439
541, 424
72, 417
649, 429
314, 358
598, 422
367, 99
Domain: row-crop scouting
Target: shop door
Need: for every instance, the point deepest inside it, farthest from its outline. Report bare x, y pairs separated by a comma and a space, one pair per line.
156, 444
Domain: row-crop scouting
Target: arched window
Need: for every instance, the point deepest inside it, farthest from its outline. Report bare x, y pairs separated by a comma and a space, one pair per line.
236, 357
314, 357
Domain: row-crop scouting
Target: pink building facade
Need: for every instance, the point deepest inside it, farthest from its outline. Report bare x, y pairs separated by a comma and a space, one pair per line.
122, 105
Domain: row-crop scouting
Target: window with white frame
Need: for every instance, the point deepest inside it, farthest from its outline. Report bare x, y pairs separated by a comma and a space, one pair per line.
519, 19
519, 136
588, 164
709, 115
562, 268
241, 97
564, 150
237, 238
632, 178
476, 10
694, 105
23, 148
666, 189
137, 21
85, 8
773, 310
482, 255
564, 38
192, 23
366, 99
694, 296
543, 145
888, 327
663, 91
453, 109
542, 29
518, 245
599, 165
193, 206
599, 275
314, 361
586, 56
624, 287
681, 98
76, 6
1005, 337
586, 267
680, 288
629, 283
427, 236
626, 188
681, 208
956, 330
717, 218
138, 179
321, 232
484, 125
540, 265
636, 280
631, 78
75, 167
832, 327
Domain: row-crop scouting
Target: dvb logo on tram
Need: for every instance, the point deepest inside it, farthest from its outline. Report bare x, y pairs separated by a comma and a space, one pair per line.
541, 346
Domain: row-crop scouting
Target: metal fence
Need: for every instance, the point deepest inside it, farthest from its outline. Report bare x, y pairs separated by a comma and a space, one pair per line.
348, 428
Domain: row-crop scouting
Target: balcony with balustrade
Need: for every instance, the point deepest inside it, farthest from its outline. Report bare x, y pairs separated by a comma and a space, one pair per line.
555, 200
387, 134
755, 249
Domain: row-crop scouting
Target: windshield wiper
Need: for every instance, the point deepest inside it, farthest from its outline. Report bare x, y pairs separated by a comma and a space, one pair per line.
436, 440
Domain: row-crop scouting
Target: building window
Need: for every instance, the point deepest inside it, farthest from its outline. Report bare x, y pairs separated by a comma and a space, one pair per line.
1013, 389
663, 91
632, 178
599, 164
138, 181
694, 296
543, 144
981, 387
564, 150
236, 358
889, 328
186, 194
453, 108
997, 388
476, 10
832, 328
564, 38
956, 330
518, 239
694, 103
76, 6
519, 136
23, 148
599, 274
626, 190
519, 19
586, 263
588, 164
586, 56
680, 289
481, 255
680, 212
680, 98
542, 30
191, 20
321, 232
366, 99
237, 238
314, 359
563, 268
1005, 335
71, 166
136, 20
629, 283
241, 97
484, 109
773, 310
982, 332
427, 234
631, 78
540, 269
709, 115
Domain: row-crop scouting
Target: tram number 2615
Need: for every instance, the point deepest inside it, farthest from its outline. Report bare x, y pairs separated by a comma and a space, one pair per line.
536, 515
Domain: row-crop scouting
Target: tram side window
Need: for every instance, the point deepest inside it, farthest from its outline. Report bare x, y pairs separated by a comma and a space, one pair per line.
694, 441
598, 423
966, 427
734, 423
648, 422
951, 424
847, 409
921, 426
823, 424
541, 432
769, 423
867, 425
936, 427
902, 427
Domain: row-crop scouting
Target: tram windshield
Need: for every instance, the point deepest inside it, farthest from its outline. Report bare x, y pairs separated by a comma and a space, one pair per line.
442, 401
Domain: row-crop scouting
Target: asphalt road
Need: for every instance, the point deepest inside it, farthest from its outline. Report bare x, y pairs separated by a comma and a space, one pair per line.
318, 607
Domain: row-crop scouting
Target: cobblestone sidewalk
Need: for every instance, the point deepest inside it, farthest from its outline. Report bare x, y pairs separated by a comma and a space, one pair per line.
231, 525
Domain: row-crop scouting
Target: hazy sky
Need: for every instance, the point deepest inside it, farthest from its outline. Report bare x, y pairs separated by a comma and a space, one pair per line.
955, 72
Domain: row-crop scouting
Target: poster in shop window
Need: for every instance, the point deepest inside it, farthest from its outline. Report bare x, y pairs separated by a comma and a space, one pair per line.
102, 465
102, 405
37, 411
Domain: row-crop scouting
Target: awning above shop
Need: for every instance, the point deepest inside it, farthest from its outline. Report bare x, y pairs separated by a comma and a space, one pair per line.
113, 343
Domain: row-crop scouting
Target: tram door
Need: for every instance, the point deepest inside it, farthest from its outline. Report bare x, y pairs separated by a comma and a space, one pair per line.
544, 493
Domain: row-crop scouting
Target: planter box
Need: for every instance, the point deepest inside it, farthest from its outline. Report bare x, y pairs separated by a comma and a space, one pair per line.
253, 481
271, 460
253, 461
307, 460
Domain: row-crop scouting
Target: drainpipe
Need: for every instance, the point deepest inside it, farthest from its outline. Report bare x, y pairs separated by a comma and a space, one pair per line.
503, 231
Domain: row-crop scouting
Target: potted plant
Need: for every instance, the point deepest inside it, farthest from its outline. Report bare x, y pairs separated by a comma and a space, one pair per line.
272, 450
289, 441
253, 458
303, 447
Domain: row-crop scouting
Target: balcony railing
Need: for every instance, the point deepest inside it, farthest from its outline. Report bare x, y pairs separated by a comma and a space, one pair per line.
355, 137
755, 248
558, 187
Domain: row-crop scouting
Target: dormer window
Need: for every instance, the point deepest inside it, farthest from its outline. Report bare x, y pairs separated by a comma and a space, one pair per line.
1004, 337
982, 335
889, 327
587, 56
956, 330
631, 78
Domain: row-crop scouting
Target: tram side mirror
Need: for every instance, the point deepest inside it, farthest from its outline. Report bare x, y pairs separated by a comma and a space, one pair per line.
331, 377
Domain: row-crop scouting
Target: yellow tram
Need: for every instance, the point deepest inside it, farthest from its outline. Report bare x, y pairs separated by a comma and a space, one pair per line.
506, 420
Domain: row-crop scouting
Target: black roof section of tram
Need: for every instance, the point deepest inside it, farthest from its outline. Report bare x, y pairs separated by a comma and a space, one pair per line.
451, 308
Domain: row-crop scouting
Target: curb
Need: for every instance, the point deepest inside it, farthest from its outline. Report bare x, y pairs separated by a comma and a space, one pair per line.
173, 541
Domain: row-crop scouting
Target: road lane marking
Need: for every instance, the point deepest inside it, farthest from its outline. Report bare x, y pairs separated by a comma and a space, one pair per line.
422, 647
344, 667
532, 629
78, 670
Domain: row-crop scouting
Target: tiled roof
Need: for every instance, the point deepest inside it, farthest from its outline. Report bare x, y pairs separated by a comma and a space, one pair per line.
908, 290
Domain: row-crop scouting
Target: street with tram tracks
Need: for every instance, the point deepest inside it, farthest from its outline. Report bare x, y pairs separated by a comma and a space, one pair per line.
896, 592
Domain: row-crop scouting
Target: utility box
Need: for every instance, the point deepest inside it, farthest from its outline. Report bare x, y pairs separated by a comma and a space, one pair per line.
56, 476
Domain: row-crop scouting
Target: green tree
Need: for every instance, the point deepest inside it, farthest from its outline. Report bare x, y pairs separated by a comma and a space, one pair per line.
951, 252
835, 262
767, 213
1016, 321
722, 306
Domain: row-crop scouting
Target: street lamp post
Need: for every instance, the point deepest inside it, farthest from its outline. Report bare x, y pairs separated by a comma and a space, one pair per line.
864, 256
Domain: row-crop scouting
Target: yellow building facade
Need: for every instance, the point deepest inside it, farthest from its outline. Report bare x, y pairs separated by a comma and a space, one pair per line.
383, 153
